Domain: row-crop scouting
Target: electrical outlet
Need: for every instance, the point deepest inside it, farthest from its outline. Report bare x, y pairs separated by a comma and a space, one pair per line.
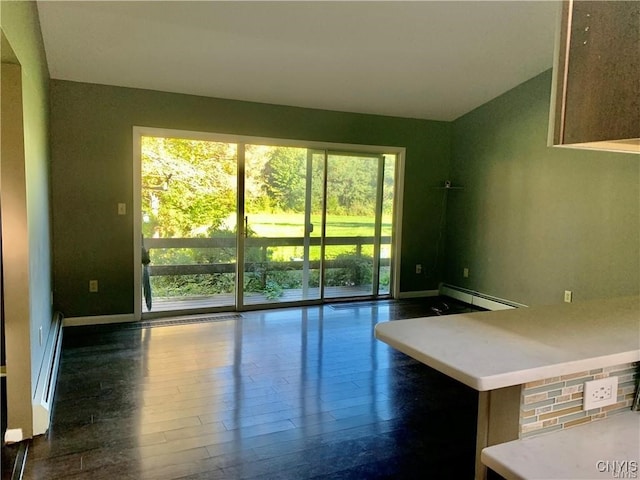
93, 286
600, 393
465, 272
418, 268
568, 296
122, 209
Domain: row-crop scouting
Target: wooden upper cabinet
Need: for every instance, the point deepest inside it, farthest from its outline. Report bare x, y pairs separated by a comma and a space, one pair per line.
596, 99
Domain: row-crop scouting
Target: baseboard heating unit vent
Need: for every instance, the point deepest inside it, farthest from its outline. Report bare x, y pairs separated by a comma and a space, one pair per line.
45, 388
478, 299
166, 322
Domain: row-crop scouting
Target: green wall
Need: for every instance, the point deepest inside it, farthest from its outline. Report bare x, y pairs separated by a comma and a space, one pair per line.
21, 28
533, 221
92, 166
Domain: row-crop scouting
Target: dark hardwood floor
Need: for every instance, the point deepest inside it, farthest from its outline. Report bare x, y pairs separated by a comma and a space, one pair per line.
293, 393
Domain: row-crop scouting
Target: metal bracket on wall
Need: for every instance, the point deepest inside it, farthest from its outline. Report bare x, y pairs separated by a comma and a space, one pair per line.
449, 186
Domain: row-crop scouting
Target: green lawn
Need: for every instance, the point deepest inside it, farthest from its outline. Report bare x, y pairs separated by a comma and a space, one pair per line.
292, 225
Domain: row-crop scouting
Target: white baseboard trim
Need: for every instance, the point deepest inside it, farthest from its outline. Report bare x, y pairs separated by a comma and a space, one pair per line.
418, 294
478, 299
46, 385
98, 320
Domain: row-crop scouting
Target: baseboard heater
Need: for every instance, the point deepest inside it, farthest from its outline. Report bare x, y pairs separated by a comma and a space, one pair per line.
45, 388
478, 299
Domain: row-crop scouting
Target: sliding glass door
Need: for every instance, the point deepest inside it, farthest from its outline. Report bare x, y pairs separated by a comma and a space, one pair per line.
238, 224
352, 224
313, 224
283, 204
188, 223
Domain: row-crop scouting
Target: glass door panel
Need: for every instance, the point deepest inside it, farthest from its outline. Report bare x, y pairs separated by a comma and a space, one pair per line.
312, 270
386, 231
188, 202
351, 241
281, 261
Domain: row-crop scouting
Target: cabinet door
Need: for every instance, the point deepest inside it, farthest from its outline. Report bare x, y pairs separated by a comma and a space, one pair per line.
602, 72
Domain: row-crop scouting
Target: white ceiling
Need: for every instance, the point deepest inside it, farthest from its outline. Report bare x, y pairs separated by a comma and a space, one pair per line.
432, 60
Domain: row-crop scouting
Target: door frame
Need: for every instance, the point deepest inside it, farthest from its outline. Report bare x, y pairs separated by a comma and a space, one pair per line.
241, 140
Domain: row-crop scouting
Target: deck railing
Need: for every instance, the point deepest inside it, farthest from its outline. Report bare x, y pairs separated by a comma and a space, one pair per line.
263, 243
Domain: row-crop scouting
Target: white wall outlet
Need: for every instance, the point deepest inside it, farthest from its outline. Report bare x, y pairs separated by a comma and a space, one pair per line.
93, 286
418, 268
122, 209
465, 272
600, 393
568, 296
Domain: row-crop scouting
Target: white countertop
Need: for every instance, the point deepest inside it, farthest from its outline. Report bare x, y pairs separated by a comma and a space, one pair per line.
575, 453
490, 350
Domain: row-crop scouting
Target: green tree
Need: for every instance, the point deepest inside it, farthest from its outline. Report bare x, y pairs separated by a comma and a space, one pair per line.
188, 186
285, 174
389, 184
352, 184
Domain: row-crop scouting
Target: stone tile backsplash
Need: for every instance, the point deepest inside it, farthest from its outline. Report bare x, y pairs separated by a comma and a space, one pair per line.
556, 403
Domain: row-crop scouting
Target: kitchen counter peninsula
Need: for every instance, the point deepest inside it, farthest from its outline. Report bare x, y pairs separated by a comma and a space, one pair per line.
497, 352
